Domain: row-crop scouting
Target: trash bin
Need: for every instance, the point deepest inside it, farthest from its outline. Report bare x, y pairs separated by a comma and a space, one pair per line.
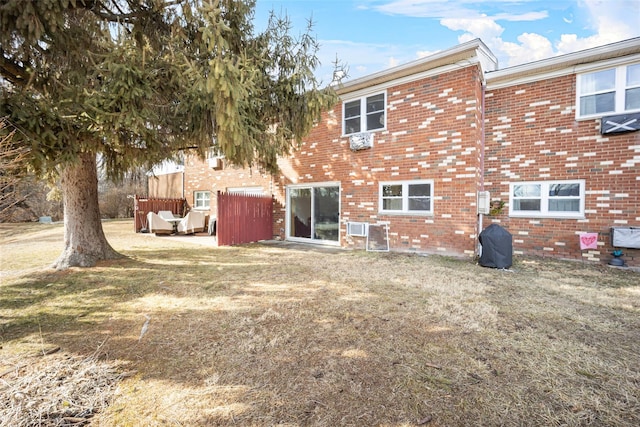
497, 247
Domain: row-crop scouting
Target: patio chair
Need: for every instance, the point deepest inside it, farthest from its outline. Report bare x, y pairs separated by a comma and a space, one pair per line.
158, 225
193, 222
166, 214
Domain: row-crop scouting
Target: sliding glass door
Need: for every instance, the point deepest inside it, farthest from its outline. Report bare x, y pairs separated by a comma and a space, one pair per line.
313, 213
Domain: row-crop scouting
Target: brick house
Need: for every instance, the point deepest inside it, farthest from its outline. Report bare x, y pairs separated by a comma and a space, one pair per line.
423, 148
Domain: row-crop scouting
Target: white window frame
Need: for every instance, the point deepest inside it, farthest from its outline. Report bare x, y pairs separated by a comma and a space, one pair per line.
197, 199
544, 197
363, 113
619, 88
405, 197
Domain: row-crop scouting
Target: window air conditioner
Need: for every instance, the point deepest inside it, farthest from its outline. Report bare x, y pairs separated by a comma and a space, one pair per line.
361, 141
358, 229
215, 162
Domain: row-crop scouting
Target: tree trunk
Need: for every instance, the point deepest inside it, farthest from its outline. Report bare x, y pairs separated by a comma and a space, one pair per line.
84, 239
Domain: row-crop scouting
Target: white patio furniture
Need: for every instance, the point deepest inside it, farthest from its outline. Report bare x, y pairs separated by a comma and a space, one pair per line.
158, 225
193, 222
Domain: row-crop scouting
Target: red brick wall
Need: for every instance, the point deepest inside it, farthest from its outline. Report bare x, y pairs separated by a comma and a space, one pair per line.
433, 132
199, 176
532, 135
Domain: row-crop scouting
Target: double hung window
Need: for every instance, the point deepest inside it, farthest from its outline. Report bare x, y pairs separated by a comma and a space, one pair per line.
547, 199
412, 197
364, 114
611, 91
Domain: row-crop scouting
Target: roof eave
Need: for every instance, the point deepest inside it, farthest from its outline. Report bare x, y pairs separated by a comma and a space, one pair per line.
470, 51
564, 62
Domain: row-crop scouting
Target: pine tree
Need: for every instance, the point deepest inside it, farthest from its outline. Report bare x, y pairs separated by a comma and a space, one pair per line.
135, 81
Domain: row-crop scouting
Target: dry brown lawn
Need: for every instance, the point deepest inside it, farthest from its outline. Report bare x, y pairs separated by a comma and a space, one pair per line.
180, 334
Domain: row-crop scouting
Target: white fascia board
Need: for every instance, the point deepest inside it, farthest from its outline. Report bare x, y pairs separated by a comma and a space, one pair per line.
606, 56
466, 54
407, 79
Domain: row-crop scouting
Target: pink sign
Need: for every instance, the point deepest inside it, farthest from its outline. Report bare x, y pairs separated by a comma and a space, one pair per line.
588, 241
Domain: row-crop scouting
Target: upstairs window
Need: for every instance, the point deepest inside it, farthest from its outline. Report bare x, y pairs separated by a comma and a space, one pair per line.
364, 114
547, 199
611, 91
411, 197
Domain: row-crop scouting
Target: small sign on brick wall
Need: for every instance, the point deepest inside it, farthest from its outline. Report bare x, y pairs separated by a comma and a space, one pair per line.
620, 123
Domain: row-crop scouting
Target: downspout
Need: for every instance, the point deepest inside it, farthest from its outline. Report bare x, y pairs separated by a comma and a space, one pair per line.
483, 87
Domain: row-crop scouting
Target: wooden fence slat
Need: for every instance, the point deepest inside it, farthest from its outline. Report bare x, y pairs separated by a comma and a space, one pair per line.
142, 206
243, 219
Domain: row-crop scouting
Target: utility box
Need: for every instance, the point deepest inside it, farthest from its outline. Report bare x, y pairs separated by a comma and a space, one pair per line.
484, 202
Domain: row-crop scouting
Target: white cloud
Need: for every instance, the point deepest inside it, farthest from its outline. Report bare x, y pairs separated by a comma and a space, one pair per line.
452, 9
531, 47
483, 27
361, 58
393, 62
603, 22
611, 21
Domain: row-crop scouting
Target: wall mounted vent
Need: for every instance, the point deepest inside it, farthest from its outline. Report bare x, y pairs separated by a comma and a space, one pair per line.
361, 141
358, 229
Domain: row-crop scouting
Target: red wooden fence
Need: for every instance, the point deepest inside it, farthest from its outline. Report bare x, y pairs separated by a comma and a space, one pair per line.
243, 219
142, 206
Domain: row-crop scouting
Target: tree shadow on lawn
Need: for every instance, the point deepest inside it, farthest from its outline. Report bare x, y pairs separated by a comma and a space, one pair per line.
235, 328
48, 299
267, 336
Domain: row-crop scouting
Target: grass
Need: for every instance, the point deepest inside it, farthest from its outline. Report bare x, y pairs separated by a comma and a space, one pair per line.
263, 335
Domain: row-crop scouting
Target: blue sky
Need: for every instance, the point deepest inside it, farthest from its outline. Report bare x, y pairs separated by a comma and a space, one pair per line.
372, 35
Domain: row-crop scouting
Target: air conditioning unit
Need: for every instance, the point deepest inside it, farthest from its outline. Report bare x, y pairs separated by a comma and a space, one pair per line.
358, 229
625, 237
361, 141
215, 162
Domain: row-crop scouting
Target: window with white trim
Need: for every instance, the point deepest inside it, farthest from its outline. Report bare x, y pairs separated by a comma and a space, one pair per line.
555, 199
201, 199
411, 197
611, 91
364, 114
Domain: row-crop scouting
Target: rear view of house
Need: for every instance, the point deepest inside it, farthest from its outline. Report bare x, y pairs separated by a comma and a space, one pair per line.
435, 150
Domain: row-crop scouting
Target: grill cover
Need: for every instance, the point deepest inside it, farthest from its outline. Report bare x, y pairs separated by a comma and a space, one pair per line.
497, 247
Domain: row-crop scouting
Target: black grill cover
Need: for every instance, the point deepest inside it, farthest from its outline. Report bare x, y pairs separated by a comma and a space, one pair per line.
497, 247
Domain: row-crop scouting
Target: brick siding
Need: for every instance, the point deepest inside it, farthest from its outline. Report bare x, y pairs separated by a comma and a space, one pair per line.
532, 135
437, 130
432, 132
